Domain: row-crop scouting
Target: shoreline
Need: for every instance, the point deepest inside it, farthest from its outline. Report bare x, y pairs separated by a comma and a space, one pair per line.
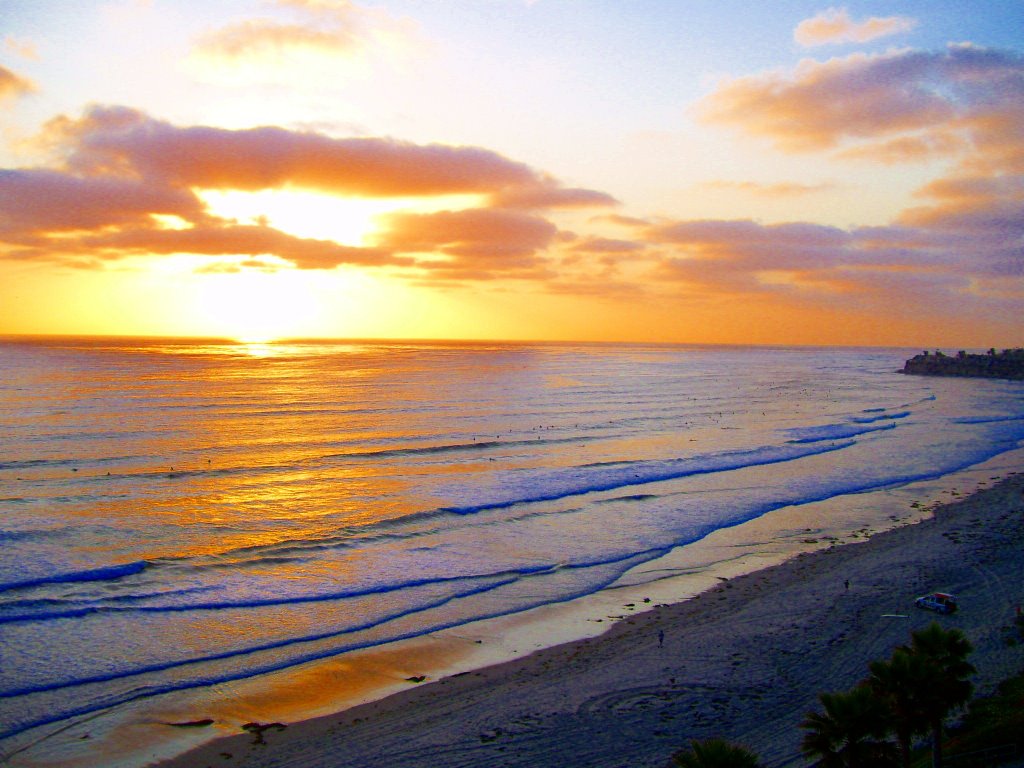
141, 733
744, 660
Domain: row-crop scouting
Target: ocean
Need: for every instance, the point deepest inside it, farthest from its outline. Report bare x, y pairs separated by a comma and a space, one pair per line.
179, 515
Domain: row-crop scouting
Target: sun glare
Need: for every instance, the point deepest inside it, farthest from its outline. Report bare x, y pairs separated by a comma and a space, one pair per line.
255, 308
346, 220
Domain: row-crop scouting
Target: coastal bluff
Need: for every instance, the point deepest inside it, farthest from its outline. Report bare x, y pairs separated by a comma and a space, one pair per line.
1008, 364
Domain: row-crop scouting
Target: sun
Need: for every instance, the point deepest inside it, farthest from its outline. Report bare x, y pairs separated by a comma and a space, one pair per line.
257, 340
255, 303
258, 307
352, 221
345, 220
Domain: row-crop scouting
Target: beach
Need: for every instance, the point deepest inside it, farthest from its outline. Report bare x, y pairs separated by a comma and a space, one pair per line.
744, 661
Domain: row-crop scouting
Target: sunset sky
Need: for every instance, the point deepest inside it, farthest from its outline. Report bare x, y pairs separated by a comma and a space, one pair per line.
623, 170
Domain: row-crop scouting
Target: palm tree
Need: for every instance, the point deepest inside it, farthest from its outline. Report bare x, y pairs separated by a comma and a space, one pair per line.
944, 652
715, 753
901, 683
922, 684
849, 733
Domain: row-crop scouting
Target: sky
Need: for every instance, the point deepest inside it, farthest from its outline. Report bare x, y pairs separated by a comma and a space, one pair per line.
693, 171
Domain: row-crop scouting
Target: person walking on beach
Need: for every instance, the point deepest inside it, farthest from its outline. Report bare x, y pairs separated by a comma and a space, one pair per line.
661, 638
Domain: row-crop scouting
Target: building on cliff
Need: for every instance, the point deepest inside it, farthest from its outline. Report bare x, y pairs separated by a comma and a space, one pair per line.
1008, 364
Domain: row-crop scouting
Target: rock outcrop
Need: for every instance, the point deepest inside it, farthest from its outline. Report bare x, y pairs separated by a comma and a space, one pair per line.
1008, 364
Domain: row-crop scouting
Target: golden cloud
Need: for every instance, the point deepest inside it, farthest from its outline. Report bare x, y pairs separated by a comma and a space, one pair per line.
230, 239
130, 185
835, 26
605, 245
117, 140
824, 104
35, 202
486, 243
780, 189
898, 105
269, 48
935, 254
13, 85
548, 194
965, 104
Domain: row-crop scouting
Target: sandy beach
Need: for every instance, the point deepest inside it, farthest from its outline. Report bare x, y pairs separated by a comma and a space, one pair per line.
744, 660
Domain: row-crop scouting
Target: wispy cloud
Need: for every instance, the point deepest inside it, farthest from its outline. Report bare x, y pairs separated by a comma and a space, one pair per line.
269, 47
777, 190
606, 245
932, 144
925, 98
24, 48
548, 194
835, 26
13, 85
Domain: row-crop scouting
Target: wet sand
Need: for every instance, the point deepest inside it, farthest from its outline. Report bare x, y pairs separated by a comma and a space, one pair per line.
744, 661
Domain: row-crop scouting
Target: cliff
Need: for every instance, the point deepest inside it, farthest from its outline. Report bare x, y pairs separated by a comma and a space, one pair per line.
1008, 364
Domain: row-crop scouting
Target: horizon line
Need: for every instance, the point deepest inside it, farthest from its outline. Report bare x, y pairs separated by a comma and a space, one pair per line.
385, 340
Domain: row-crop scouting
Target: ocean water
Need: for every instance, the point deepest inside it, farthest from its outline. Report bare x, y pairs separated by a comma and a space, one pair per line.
176, 515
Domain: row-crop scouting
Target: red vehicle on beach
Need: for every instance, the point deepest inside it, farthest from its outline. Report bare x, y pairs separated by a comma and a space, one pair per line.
942, 602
